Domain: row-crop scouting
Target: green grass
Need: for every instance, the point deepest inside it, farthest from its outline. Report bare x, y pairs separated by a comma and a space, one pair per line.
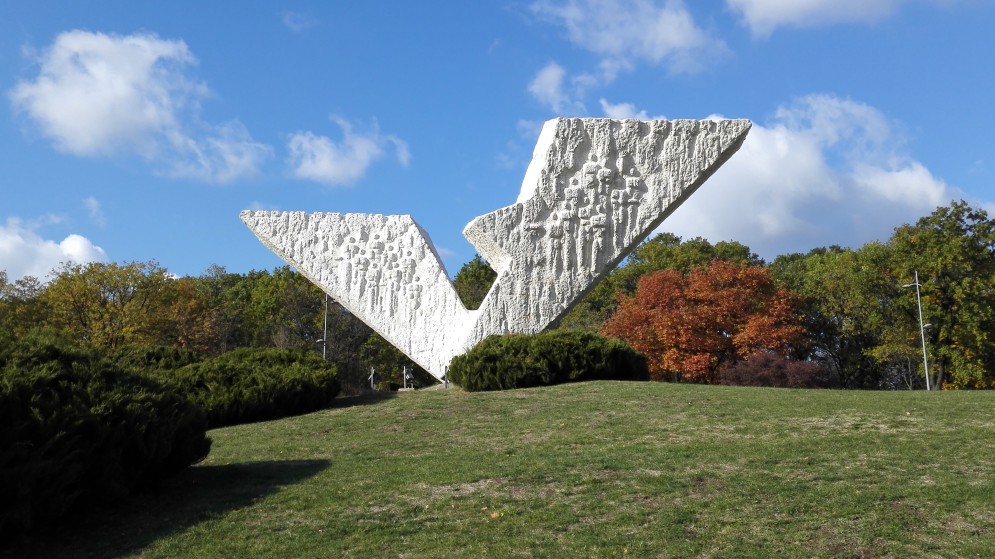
601, 469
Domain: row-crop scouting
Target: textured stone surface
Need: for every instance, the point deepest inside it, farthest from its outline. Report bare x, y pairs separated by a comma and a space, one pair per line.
594, 190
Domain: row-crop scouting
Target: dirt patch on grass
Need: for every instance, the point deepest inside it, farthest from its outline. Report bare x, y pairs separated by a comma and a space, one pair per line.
849, 423
489, 488
707, 487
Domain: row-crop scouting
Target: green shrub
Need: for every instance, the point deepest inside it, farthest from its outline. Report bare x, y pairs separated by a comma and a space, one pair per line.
254, 384
76, 431
557, 356
142, 359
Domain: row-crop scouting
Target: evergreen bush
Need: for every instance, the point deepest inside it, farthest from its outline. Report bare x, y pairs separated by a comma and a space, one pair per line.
553, 357
76, 431
142, 359
255, 384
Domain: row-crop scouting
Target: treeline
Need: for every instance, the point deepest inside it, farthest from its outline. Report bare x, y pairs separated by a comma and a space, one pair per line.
850, 312
142, 305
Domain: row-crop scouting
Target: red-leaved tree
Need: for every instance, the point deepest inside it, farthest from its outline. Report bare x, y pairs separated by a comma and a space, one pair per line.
689, 326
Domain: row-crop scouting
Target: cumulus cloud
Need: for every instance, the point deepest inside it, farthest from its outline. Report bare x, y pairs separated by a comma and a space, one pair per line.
98, 94
764, 16
321, 159
823, 171
23, 252
625, 32
549, 87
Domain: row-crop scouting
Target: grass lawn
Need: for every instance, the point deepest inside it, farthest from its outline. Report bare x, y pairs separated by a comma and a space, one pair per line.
600, 469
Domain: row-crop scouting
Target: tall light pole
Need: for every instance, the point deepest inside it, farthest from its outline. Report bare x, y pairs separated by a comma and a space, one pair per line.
922, 327
324, 337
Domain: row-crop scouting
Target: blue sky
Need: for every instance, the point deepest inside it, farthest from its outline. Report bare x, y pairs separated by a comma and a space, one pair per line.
134, 131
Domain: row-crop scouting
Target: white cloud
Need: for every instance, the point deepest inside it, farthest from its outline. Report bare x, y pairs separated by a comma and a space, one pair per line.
99, 94
320, 159
902, 183
622, 110
102, 95
549, 88
402, 151
95, 211
528, 129
297, 21
764, 16
625, 110
824, 171
625, 32
227, 154
25, 253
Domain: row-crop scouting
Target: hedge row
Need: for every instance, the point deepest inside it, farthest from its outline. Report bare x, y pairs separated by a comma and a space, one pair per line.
150, 359
78, 427
255, 384
557, 356
76, 431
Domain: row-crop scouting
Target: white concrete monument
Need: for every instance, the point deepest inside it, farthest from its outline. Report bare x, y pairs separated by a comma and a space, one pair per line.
594, 190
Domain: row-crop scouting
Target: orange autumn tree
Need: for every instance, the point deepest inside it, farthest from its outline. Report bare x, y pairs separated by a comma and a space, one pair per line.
689, 326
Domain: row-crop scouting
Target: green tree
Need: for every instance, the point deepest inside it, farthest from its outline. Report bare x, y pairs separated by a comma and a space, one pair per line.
388, 361
284, 309
228, 297
865, 325
953, 251
346, 337
21, 306
189, 319
473, 281
109, 305
848, 306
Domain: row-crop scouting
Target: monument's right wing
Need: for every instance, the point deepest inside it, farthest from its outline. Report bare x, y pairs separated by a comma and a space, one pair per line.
602, 186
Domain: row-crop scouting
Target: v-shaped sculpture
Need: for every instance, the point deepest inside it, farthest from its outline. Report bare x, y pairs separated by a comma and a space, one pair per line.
594, 190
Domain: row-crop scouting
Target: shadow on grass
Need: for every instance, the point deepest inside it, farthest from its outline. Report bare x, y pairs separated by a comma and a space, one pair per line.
364, 399
192, 496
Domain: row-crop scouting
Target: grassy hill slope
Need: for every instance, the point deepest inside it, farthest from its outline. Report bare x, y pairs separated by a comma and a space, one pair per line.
597, 469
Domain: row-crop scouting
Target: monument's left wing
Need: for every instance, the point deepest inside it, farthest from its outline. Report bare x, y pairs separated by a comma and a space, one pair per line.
382, 268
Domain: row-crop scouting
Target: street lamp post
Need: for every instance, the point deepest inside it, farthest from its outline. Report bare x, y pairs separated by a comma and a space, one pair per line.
922, 327
324, 337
